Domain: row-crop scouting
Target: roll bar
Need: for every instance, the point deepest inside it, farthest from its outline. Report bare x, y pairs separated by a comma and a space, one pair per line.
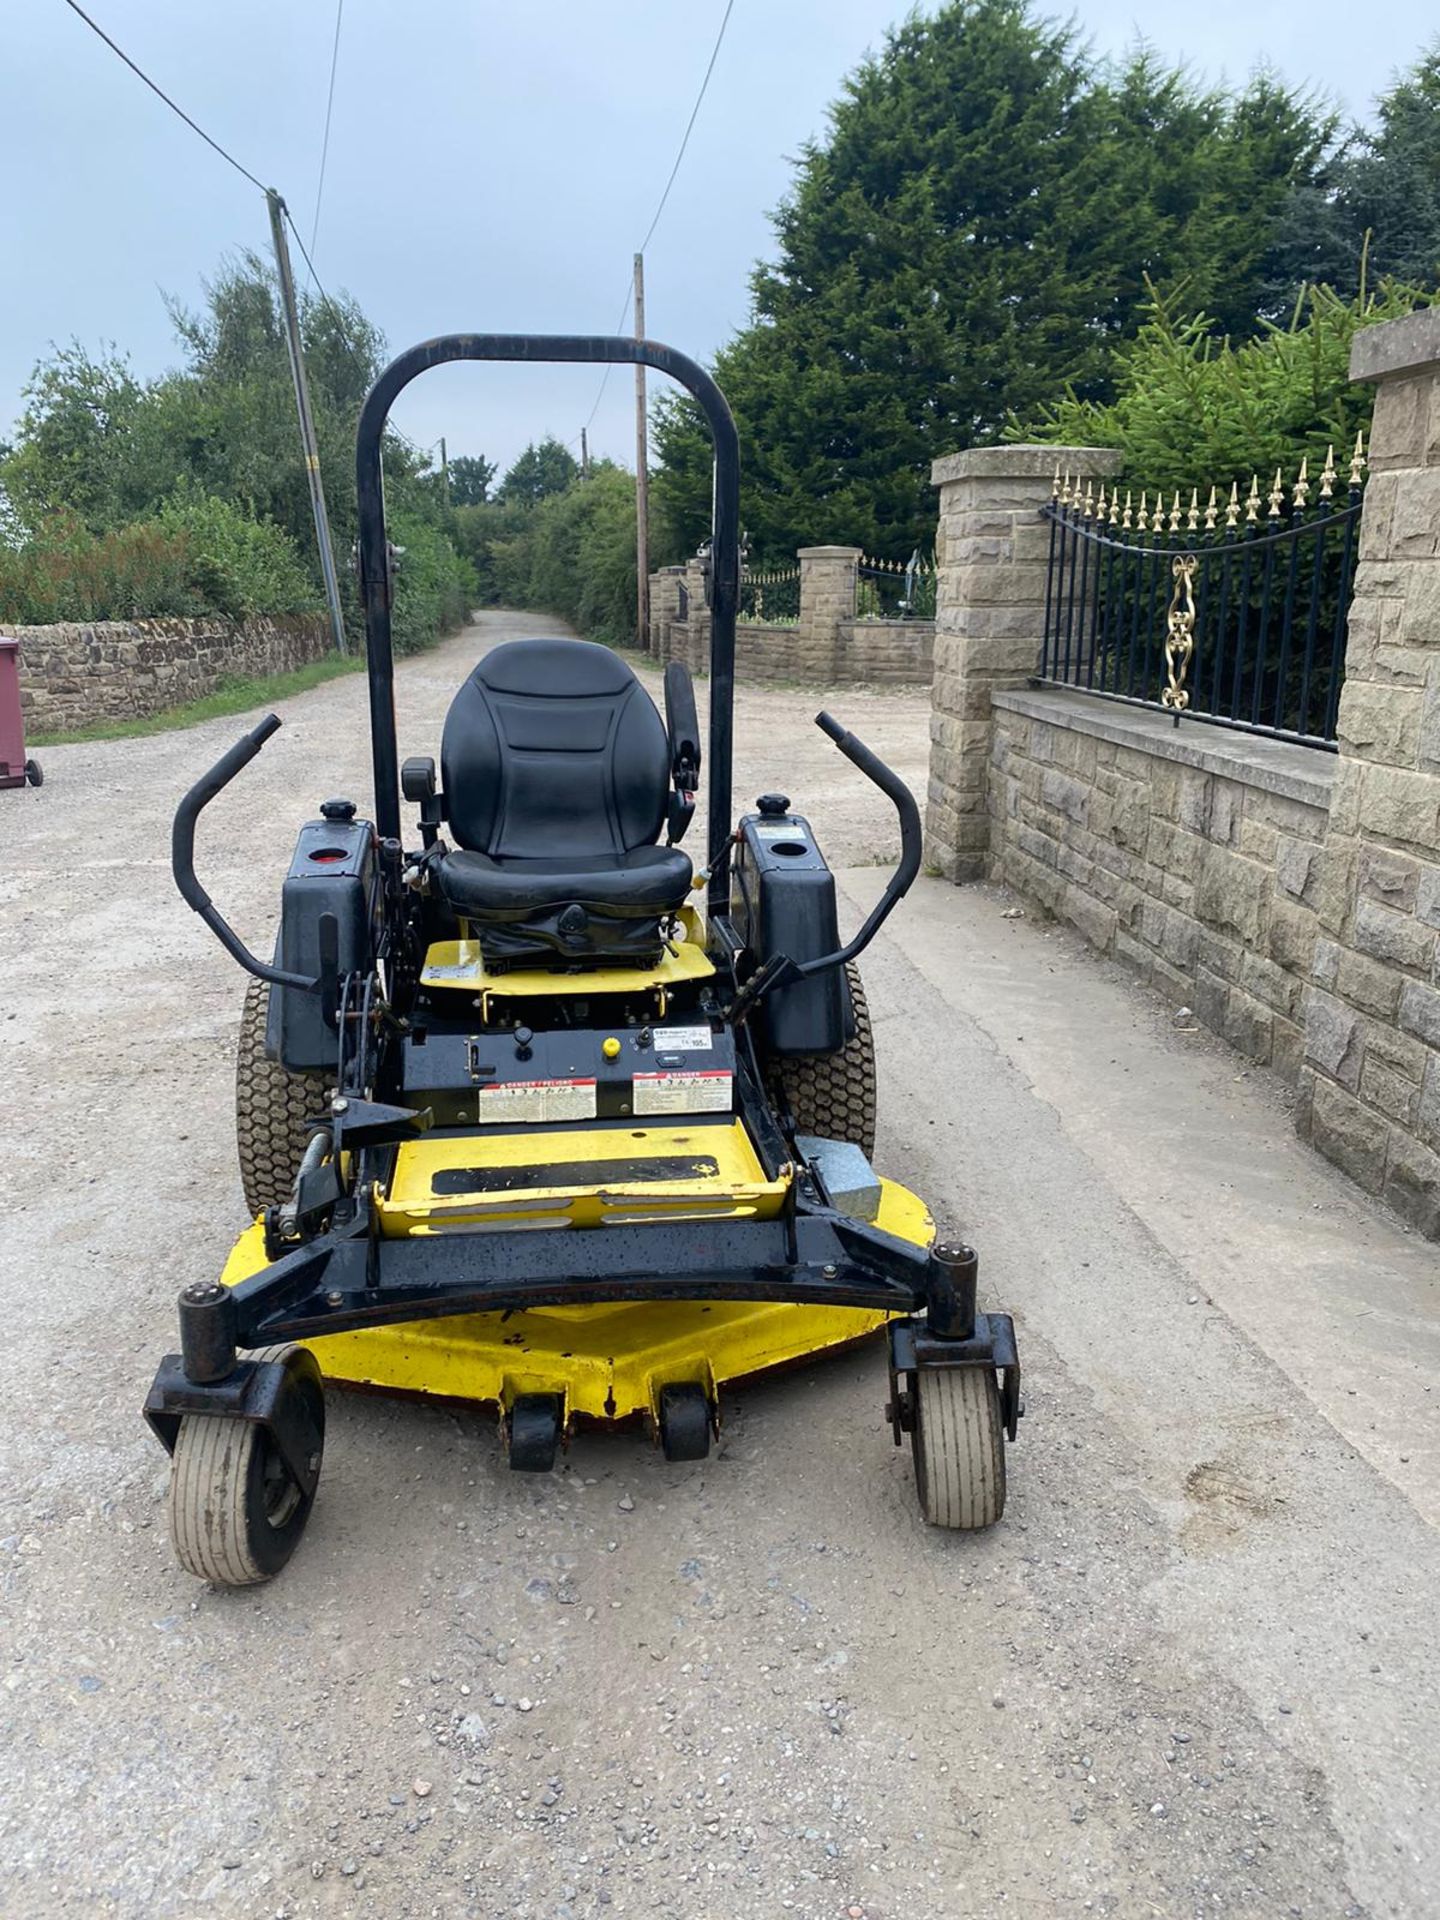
375, 582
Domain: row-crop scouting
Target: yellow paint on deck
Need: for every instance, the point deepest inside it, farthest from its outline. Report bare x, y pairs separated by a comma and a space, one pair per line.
735, 1187
608, 1361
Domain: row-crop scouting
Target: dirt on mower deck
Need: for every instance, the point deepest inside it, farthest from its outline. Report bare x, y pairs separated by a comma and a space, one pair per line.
1192, 1673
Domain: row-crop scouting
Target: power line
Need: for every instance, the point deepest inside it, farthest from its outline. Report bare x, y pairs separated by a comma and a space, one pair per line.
689, 126
140, 74
674, 171
329, 111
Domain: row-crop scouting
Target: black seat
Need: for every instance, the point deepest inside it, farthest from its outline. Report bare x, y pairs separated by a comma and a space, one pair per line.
557, 774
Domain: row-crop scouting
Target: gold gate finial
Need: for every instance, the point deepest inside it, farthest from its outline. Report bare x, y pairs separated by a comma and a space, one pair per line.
1211, 511
1275, 496
1252, 501
1302, 485
1327, 474
1192, 518
1100, 505
1143, 521
1232, 511
1357, 462
1126, 522
1055, 483
1175, 512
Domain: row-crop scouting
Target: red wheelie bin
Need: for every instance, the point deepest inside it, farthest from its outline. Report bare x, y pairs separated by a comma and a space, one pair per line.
15, 769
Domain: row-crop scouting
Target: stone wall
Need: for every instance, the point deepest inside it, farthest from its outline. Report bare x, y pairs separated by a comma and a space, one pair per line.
890, 652
1194, 855
1371, 1085
1291, 897
826, 646
73, 676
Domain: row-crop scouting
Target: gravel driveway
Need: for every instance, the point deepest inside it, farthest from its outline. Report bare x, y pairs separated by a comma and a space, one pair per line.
1193, 1673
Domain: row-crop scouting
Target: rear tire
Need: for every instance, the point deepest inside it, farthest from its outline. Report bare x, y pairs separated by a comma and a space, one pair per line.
271, 1109
959, 1447
34, 774
833, 1094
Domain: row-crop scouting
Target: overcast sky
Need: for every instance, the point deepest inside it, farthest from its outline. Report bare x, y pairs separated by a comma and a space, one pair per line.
492, 166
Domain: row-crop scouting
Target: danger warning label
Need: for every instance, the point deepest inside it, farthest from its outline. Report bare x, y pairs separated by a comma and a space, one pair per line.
709, 1092
532, 1100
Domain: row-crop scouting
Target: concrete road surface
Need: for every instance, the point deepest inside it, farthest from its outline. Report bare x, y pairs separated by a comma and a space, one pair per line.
1193, 1673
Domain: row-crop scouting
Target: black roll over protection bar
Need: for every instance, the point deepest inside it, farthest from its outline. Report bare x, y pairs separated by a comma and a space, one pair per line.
182, 857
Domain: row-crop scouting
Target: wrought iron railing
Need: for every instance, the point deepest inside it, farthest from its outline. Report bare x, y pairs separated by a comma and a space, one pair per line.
771, 595
1215, 613
896, 589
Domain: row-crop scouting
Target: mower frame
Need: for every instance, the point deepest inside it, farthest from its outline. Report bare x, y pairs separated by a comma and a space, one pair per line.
345, 1275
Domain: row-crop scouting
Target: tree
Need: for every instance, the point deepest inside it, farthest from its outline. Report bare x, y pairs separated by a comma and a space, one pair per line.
1191, 411
971, 236
470, 477
214, 444
1375, 209
541, 470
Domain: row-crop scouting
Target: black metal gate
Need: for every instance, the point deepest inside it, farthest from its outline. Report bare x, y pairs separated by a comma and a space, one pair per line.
1238, 622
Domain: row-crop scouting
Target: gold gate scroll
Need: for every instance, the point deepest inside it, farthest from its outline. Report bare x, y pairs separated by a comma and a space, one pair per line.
1180, 633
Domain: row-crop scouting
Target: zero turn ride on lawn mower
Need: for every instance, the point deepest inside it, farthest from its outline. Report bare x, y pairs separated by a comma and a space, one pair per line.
530, 1115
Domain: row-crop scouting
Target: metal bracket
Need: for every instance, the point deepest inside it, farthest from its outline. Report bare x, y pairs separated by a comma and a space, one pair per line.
913, 1349
257, 1390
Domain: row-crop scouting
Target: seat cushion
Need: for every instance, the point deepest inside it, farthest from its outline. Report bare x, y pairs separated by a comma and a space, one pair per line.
646, 882
552, 749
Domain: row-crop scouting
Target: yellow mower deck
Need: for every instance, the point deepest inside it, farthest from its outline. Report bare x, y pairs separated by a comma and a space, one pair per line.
609, 1362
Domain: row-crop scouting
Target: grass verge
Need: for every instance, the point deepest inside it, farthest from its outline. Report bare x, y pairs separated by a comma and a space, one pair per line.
231, 696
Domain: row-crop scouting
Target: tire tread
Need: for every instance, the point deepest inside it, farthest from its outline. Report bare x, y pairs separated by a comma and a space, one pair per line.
271, 1108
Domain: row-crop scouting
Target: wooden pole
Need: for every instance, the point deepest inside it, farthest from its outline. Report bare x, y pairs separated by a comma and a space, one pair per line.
642, 477
584, 453
308, 444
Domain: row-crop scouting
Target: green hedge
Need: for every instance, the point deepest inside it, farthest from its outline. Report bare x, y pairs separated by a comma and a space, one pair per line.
1191, 411
573, 554
197, 555
435, 586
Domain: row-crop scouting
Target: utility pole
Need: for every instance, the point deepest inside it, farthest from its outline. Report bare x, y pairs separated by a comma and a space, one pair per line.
642, 477
584, 453
308, 442
444, 470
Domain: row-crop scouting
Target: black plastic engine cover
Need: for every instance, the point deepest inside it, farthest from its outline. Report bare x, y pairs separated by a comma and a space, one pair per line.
333, 871
782, 900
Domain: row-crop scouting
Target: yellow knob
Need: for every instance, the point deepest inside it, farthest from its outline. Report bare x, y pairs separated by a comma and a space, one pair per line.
610, 1048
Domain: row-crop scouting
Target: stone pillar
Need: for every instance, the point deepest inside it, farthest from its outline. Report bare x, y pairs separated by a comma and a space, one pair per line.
828, 580
697, 623
664, 607
1370, 1087
992, 551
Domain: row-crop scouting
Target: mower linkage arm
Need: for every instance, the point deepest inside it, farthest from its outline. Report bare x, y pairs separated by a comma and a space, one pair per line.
182, 857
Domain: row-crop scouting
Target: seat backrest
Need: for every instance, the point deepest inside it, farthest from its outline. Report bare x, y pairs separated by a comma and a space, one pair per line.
553, 748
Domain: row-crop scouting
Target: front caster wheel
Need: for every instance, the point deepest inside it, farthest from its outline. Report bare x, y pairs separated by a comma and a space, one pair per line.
959, 1447
685, 1421
236, 1510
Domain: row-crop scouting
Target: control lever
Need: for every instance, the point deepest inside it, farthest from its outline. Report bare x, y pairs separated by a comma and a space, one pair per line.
182, 856
780, 970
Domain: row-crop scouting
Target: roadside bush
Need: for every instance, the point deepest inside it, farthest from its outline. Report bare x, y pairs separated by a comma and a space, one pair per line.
572, 554
68, 573
435, 586
198, 555
1191, 410
238, 565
